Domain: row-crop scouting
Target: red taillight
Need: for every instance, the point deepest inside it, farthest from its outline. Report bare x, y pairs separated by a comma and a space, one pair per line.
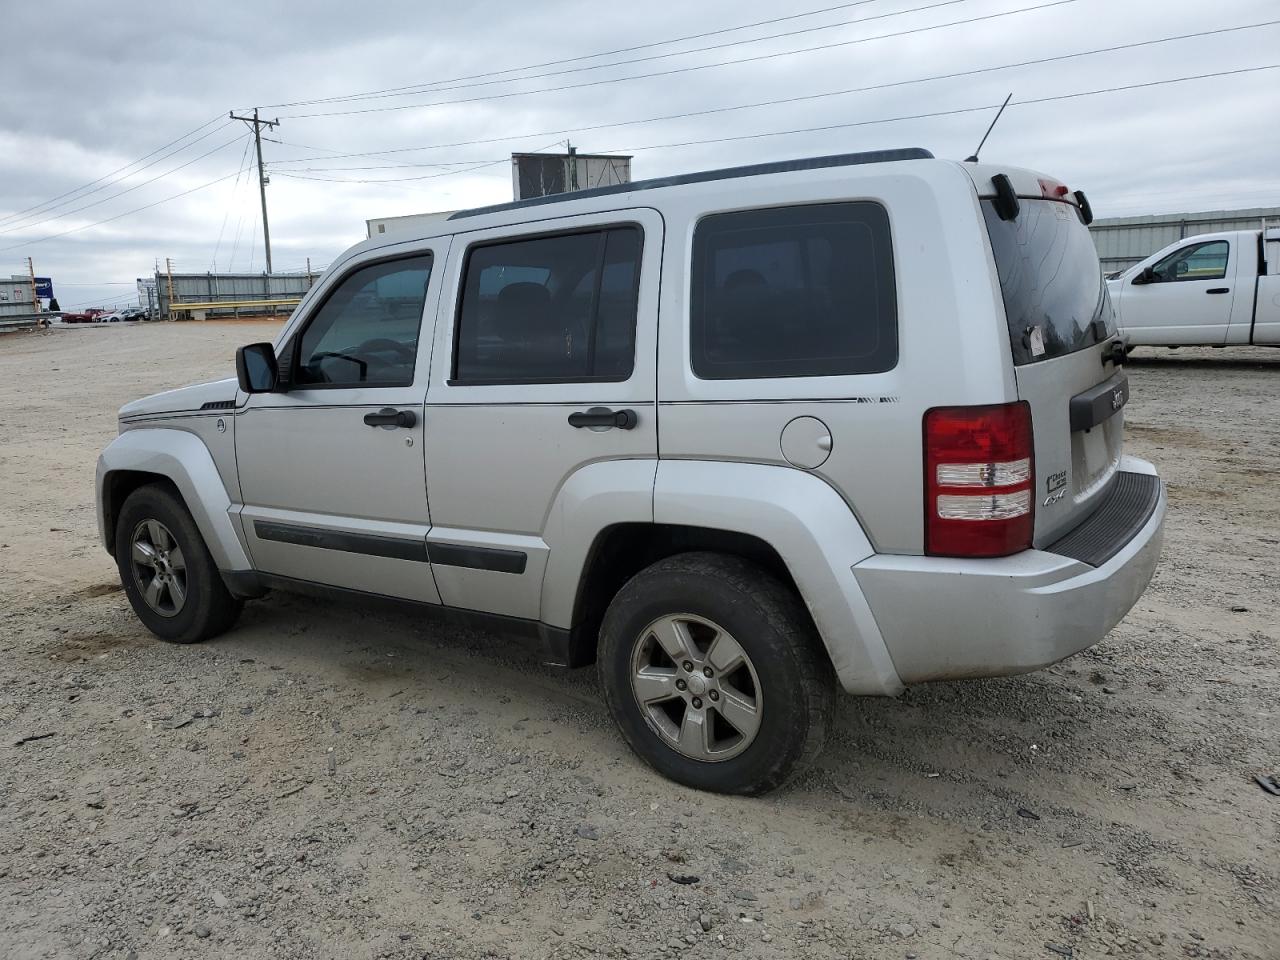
979, 467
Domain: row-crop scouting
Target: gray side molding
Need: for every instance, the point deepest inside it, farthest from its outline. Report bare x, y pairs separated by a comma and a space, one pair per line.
816, 534
184, 459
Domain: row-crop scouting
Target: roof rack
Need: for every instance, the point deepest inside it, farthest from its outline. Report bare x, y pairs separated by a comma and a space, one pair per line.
725, 173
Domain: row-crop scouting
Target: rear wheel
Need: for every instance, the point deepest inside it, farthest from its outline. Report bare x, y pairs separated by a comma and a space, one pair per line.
714, 673
166, 569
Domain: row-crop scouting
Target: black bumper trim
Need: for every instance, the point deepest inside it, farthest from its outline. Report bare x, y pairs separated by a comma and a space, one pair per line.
1125, 509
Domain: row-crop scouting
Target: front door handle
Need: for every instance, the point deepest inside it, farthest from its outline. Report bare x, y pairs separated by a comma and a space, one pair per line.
599, 418
1219, 290
390, 417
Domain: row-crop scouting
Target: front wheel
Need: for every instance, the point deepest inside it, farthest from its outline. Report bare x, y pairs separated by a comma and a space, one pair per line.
166, 570
715, 675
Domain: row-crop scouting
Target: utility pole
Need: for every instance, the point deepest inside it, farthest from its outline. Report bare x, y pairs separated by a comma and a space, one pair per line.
168, 268
35, 300
262, 176
573, 165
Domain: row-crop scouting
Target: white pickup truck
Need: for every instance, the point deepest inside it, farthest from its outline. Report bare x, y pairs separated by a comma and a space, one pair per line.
1214, 290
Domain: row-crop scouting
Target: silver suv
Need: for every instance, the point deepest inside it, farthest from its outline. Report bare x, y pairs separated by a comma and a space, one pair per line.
738, 437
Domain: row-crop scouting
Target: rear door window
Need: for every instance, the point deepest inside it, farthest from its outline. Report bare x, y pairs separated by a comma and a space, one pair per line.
1055, 299
805, 291
550, 309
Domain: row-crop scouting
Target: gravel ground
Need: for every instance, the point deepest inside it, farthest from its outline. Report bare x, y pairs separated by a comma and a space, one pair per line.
331, 781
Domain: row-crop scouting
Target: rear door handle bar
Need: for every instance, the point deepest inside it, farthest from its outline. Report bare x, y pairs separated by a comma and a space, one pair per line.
603, 417
390, 417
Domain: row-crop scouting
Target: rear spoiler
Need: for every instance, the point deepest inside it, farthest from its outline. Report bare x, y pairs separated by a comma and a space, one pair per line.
1007, 196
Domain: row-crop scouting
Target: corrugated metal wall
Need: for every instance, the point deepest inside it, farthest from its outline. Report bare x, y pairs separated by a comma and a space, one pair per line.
1123, 241
15, 297
230, 288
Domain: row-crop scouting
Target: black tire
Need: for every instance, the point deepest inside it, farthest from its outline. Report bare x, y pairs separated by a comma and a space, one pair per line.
208, 609
771, 625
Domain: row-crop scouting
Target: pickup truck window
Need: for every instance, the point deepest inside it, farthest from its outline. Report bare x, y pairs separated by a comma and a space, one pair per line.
1055, 299
803, 291
551, 309
1201, 261
365, 334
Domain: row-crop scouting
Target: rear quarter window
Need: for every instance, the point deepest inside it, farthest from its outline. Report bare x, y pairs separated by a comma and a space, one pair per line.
804, 291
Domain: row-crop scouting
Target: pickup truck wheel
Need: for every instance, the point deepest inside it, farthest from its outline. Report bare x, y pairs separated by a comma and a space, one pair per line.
167, 571
713, 672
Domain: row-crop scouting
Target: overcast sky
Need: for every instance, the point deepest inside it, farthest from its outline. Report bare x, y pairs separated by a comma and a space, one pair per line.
99, 86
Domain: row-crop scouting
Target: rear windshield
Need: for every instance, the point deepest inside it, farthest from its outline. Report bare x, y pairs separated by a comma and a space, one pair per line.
1055, 298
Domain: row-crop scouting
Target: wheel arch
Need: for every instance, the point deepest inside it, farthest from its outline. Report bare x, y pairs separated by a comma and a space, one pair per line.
621, 550
790, 522
181, 460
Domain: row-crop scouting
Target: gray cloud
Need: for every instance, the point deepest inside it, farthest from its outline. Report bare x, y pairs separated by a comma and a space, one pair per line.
104, 85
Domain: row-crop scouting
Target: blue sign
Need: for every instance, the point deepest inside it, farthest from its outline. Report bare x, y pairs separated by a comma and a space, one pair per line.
44, 288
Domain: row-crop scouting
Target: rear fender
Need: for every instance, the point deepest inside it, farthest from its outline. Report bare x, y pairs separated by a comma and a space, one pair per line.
814, 532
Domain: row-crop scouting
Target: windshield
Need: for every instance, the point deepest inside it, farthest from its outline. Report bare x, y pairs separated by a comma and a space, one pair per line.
1055, 298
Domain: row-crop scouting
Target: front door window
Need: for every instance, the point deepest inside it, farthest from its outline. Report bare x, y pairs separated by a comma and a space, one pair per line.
366, 333
1201, 261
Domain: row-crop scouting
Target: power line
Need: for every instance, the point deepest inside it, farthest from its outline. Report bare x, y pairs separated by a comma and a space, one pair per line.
430, 176
20, 214
478, 165
435, 88
747, 106
235, 189
836, 126
587, 56
115, 196
866, 123
689, 69
949, 113
87, 226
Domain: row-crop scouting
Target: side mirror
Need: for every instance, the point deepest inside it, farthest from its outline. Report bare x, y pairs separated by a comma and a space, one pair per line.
257, 368
1148, 275
1182, 268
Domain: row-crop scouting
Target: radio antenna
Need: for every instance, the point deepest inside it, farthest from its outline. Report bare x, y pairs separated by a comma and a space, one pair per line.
999, 113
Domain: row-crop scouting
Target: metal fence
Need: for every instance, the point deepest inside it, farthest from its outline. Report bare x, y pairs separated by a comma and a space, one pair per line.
1123, 241
202, 296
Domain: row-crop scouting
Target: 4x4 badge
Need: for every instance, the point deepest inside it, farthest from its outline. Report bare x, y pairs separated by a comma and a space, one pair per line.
1056, 487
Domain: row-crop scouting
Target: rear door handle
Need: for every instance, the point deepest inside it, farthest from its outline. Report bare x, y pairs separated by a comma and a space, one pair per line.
604, 418
1219, 290
390, 417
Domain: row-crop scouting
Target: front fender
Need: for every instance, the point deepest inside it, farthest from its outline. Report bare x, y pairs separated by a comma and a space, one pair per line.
182, 458
815, 533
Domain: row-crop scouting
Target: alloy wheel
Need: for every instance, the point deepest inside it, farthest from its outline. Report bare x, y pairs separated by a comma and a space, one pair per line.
159, 568
696, 687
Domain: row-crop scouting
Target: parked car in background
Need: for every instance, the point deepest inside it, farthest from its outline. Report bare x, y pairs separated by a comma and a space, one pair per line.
888, 393
84, 316
1212, 290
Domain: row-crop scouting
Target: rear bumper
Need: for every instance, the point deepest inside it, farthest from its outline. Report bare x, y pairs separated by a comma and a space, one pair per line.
948, 619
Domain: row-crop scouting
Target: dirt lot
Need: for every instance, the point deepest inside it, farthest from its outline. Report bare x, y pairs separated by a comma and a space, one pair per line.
337, 782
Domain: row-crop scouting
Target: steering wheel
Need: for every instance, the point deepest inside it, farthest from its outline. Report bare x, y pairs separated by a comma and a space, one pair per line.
385, 343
